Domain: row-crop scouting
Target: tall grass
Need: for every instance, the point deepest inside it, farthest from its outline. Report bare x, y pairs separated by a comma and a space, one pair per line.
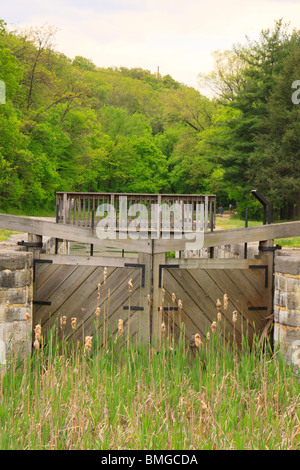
134, 396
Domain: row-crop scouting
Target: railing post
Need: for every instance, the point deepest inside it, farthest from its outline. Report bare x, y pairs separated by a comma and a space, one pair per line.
205, 213
246, 245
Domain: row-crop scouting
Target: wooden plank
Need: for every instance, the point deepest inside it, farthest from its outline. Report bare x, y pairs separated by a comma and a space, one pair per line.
59, 289
169, 317
48, 289
43, 272
88, 260
204, 292
74, 301
86, 235
119, 296
238, 300
194, 317
234, 236
213, 289
221, 263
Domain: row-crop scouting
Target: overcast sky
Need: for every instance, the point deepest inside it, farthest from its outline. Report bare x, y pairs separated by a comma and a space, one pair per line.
176, 35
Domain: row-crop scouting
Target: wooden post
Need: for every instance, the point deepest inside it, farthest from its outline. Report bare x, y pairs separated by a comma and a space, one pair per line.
268, 256
32, 238
158, 259
206, 214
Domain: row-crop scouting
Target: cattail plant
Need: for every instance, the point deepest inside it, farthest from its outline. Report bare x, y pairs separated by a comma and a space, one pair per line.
120, 327
130, 289
38, 336
173, 316
38, 332
234, 320
88, 343
162, 308
63, 322
198, 341
225, 301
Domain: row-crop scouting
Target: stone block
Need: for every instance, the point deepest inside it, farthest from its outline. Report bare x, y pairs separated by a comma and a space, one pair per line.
13, 296
14, 260
287, 263
12, 279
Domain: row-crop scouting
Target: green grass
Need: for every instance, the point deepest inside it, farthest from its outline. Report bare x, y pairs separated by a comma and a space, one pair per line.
5, 234
133, 396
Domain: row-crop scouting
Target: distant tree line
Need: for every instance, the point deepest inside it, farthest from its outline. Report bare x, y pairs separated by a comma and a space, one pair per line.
68, 125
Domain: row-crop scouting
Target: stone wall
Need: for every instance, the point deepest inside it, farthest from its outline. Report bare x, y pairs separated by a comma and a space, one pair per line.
16, 291
287, 305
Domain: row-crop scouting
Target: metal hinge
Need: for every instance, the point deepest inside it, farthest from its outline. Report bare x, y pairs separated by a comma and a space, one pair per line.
132, 307
270, 248
166, 266
262, 266
37, 260
135, 265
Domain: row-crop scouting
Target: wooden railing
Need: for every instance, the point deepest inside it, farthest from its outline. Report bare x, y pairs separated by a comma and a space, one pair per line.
81, 209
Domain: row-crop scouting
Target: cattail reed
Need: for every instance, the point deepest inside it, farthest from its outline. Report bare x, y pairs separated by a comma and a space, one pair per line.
225, 301
173, 316
213, 326
120, 326
38, 336
74, 323
38, 332
163, 293
88, 343
130, 289
63, 322
198, 341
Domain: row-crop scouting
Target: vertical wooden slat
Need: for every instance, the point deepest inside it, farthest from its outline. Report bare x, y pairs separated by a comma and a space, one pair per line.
206, 214
83, 210
65, 208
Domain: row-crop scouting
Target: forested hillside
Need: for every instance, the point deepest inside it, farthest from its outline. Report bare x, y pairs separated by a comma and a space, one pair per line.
68, 125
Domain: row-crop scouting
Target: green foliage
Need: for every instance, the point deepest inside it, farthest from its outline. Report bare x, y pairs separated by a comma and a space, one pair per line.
71, 125
256, 141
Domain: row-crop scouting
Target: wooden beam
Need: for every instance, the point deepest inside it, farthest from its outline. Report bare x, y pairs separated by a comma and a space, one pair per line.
234, 236
88, 260
87, 235
216, 263
70, 233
